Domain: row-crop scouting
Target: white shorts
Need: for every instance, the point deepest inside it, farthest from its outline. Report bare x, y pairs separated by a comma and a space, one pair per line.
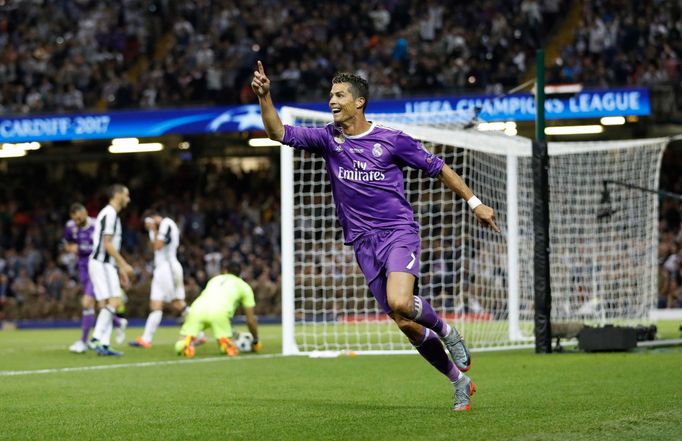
167, 283
105, 281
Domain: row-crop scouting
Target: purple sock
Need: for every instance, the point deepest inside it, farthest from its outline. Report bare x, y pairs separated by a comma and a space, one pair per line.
426, 316
432, 350
115, 320
87, 323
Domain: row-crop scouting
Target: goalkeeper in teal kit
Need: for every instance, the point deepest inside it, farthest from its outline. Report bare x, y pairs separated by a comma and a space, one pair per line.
364, 162
214, 309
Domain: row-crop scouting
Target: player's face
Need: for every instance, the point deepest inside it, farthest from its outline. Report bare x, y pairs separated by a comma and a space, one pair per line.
124, 198
342, 103
79, 217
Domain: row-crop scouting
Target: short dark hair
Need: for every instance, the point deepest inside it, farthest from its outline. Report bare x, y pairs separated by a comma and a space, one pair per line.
150, 212
359, 87
76, 207
234, 268
114, 190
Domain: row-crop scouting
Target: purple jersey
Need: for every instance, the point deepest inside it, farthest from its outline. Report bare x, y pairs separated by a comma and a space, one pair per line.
366, 174
81, 236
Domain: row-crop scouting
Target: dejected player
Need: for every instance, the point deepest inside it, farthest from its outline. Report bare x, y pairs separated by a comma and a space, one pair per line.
214, 309
364, 163
167, 280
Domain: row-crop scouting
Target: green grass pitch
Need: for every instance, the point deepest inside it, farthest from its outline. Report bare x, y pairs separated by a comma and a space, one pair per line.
155, 395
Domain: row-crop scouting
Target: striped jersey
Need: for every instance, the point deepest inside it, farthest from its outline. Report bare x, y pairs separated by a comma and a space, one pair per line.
106, 224
169, 233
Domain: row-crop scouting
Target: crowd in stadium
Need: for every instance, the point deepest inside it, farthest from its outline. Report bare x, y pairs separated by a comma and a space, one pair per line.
670, 230
223, 217
624, 43
157, 53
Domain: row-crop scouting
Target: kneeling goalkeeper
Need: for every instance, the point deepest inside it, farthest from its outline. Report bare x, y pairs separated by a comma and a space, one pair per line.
214, 309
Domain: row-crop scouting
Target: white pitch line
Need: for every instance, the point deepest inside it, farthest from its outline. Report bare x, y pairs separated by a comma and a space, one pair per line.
127, 365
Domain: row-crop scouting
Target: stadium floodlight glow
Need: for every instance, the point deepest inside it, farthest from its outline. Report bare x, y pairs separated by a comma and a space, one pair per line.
263, 142
574, 130
133, 145
21, 146
499, 126
612, 121
11, 151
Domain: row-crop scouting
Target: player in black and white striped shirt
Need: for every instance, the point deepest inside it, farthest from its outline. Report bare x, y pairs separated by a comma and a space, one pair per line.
167, 281
106, 265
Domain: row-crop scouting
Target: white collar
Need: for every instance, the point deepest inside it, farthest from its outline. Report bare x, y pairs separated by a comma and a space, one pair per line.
371, 127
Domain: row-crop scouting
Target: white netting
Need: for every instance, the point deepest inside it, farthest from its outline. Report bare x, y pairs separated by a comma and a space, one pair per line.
602, 265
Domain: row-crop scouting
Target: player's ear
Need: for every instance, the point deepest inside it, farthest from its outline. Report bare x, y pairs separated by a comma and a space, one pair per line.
360, 102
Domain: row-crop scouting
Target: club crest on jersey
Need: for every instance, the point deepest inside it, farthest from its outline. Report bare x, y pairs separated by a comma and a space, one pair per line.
377, 150
340, 139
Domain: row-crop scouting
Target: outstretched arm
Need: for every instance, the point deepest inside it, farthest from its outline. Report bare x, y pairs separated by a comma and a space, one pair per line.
252, 324
261, 87
485, 214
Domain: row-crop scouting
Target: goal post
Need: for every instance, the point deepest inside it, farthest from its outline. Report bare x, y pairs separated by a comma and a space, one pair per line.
603, 267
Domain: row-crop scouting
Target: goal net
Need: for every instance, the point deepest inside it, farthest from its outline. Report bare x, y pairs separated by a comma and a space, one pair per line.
603, 238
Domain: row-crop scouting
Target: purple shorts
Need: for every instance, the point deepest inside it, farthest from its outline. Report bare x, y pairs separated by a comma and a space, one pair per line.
385, 252
88, 290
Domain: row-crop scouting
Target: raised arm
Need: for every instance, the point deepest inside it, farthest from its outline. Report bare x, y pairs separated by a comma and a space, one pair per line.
455, 183
261, 87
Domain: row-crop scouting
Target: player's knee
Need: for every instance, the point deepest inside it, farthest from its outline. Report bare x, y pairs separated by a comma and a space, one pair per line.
402, 306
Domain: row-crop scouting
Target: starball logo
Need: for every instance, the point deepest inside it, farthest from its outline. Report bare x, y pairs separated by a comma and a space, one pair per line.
359, 173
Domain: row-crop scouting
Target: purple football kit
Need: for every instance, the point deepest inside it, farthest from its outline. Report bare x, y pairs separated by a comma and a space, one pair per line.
365, 172
82, 236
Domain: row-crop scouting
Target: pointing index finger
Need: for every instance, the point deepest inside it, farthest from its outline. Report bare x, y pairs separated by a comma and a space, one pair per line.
260, 68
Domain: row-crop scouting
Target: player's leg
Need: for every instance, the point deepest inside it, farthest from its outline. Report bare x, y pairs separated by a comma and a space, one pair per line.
88, 312
178, 297
402, 266
427, 344
87, 323
107, 291
192, 327
222, 330
162, 286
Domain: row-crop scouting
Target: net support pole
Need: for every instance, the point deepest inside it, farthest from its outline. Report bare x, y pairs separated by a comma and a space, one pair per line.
540, 166
513, 248
287, 205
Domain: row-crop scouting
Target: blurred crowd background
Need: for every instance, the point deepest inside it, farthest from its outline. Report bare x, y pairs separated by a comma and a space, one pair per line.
74, 55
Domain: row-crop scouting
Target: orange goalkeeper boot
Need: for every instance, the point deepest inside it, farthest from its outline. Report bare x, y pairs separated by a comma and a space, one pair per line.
227, 347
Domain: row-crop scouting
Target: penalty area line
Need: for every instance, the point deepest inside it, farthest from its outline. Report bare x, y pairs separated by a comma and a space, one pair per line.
134, 365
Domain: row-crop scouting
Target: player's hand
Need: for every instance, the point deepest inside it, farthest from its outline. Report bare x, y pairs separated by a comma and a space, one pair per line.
257, 347
150, 224
126, 269
260, 83
125, 280
486, 215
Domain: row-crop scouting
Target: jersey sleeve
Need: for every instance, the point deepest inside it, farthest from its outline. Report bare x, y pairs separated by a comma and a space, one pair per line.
248, 298
164, 232
413, 153
109, 227
68, 234
305, 138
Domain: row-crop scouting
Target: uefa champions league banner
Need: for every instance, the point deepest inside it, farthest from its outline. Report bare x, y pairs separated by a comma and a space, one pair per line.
154, 123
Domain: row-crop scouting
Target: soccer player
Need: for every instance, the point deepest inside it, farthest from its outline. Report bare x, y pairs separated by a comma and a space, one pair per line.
78, 240
106, 265
214, 308
167, 283
364, 163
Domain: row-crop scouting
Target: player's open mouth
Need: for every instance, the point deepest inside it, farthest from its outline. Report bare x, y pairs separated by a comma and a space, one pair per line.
336, 110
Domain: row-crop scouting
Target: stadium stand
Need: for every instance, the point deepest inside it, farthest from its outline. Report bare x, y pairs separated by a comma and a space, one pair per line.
216, 214
156, 53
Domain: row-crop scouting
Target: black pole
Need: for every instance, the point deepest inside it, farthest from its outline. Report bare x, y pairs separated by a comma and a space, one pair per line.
540, 165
